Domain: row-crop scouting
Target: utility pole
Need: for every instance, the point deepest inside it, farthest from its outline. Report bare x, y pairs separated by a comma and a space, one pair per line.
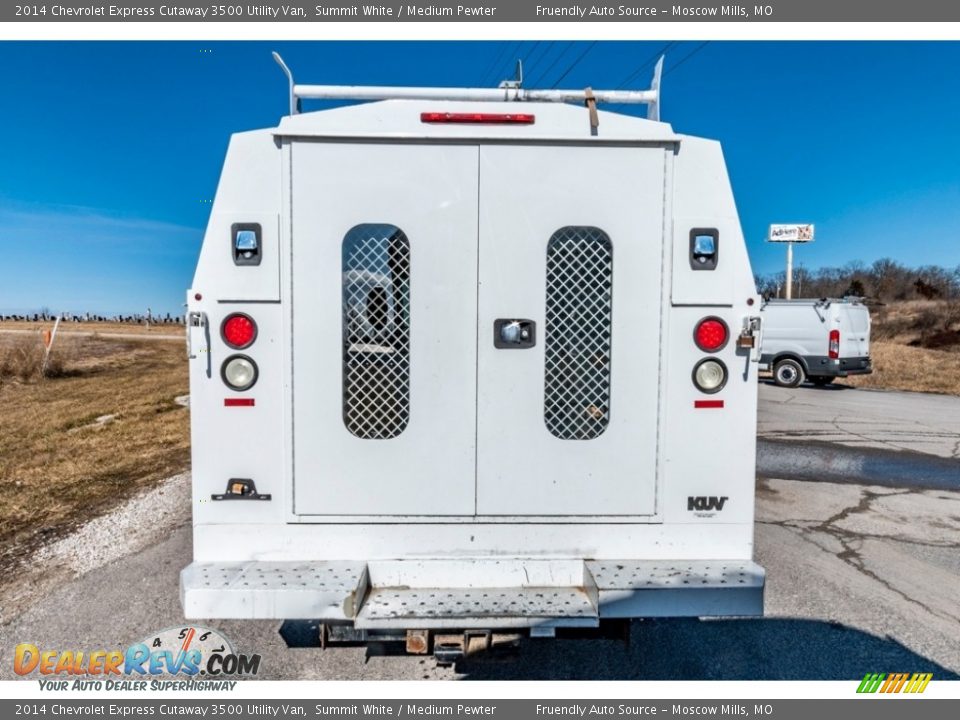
789, 270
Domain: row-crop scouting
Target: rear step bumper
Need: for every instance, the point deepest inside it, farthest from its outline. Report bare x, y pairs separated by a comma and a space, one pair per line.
488, 594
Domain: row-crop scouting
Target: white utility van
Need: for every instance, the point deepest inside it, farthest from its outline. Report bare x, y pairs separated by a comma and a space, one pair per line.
817, 340
472, 361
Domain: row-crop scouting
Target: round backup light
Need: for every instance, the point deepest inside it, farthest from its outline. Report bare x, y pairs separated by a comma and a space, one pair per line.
710, 375
711, 334
239, 372
239, 330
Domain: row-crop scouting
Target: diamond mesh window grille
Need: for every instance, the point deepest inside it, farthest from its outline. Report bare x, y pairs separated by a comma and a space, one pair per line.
376, 331
576, 397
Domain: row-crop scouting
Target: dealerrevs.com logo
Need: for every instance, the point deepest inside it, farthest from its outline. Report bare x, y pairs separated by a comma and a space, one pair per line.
188, 652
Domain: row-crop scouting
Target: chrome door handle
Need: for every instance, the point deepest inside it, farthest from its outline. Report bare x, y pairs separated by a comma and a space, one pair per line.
517, 334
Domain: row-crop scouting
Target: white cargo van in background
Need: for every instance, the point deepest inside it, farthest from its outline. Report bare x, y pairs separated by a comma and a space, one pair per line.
816, 340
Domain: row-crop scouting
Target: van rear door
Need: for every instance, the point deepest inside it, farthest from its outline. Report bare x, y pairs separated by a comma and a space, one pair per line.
571, 239
384, 273
407, 260
854, 330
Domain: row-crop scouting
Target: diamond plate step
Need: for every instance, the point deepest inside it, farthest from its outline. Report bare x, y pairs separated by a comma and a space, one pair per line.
478, 593
678, 588
392, 607
322, 590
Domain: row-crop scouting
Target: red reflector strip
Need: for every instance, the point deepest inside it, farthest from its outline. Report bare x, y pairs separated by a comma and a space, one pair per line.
478, 118
238, 402
708, 403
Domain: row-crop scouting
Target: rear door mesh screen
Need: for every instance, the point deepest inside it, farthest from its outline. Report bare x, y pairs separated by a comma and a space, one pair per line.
376, 331
576, 397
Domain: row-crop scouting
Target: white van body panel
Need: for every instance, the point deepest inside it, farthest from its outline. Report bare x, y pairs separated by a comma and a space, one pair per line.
478, 483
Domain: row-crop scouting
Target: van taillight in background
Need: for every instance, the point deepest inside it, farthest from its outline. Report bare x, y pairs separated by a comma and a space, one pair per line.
834, 348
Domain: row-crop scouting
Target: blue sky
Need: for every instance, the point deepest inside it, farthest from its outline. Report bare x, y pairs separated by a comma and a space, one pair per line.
112, 151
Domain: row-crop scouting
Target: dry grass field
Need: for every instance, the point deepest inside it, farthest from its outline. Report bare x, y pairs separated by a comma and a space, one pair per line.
901, 367
915, 346
100, 328
100, 426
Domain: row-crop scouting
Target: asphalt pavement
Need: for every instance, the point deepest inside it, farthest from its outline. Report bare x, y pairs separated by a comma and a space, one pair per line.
860, 577
856, 418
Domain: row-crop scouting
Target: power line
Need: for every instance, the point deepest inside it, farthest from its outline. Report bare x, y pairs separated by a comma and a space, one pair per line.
539, 59
689, 55
646, 63
546, 51
553, 64
531, 52
494, 76
484, 79
511, 61
574, 64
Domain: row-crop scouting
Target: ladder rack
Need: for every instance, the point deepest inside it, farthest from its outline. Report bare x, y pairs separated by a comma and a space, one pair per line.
507, 92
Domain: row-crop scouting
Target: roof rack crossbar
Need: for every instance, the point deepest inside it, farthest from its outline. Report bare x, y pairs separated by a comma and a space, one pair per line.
508, 93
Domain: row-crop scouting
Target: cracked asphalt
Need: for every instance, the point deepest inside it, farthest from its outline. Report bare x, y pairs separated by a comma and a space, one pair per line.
860, 576
882, 560
855, 418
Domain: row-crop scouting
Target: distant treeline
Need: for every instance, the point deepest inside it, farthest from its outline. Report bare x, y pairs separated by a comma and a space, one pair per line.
884, 280
136, 318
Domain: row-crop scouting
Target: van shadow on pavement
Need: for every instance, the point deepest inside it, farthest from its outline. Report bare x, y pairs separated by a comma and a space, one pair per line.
686, 649
692, 649
831, 387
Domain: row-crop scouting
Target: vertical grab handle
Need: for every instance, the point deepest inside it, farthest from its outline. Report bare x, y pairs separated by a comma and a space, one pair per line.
751, 337
197, 322
756, 325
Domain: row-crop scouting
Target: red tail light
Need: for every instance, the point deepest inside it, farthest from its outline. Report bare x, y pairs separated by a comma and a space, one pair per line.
478, 118
238, 330
834, 344
711, 334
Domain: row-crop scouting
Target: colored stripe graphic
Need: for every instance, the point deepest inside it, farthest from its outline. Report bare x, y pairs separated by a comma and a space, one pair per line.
870, 682
894, 682
919, 682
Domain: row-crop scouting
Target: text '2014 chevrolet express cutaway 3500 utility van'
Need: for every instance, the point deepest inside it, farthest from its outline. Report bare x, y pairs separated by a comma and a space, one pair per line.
468, 362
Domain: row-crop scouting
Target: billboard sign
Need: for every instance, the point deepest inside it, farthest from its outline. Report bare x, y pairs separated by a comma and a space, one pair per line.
791, 233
